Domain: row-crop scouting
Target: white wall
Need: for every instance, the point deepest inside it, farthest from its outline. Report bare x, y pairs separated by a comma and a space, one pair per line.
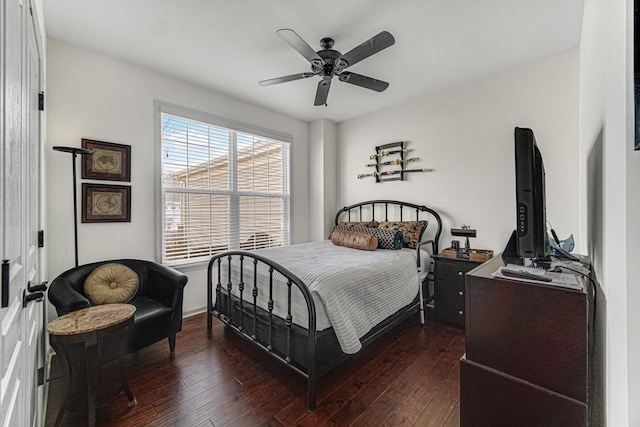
322, 178
465, 134
611, 200
98, 97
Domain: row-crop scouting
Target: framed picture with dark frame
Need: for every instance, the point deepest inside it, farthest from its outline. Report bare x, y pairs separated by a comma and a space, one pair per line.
109, 161
106, 203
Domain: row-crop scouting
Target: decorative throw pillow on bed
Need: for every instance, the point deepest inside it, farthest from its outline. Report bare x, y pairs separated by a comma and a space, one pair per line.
411, 231
368, 224
387, 239
111, 284
355, 240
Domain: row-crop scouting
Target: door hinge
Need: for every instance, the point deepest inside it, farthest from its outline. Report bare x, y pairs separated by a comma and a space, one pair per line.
40, 376
41, 101
41, 239
4, 300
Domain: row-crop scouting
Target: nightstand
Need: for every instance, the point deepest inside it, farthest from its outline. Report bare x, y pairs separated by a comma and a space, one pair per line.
449, 276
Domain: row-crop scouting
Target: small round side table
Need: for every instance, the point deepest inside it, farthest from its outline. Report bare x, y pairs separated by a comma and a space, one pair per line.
86, 329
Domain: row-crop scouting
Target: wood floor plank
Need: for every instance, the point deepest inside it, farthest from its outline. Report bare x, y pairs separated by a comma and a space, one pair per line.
438, 362
454, 417
441, 406
393, 362
218, 379
125, 417
381, 409
382, 356
437, 340
340, 378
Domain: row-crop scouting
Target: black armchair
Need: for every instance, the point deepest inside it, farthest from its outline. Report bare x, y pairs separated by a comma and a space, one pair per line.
158, 300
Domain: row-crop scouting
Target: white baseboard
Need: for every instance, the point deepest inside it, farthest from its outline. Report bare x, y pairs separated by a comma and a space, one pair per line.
194, 311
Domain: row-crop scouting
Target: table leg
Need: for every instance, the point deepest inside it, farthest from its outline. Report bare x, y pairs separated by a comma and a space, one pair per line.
125, 384
123, 377
66, 378
93, 375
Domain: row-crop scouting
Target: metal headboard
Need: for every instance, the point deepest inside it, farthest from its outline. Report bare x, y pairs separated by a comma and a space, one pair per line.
401, 206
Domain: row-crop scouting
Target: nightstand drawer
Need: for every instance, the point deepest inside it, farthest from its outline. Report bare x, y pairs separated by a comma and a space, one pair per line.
448, 311
453, 271
450, 290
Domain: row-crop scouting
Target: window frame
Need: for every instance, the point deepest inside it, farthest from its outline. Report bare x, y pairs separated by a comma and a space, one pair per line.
160, 108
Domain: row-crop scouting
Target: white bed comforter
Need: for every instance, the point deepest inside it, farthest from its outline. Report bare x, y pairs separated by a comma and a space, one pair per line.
356, 289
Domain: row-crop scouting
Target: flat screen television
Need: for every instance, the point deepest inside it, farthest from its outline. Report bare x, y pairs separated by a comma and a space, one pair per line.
531, 232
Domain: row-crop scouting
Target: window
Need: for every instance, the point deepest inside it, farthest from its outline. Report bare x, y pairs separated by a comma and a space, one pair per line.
222, 187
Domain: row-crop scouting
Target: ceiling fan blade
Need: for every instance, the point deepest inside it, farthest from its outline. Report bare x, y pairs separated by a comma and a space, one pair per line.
363, 81
283, 79
295, 41
374, 45
323, 91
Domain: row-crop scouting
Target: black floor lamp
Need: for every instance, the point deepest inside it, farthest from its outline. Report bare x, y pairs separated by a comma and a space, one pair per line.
74, 151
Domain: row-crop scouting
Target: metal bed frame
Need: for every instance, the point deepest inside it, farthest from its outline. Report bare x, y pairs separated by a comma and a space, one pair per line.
280, 337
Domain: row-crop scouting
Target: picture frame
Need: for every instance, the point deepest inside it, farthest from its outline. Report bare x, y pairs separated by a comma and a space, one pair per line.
109, 161
106, 203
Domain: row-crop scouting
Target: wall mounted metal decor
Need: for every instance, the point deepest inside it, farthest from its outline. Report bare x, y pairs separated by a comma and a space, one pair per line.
106, 203
384, 157
110, 161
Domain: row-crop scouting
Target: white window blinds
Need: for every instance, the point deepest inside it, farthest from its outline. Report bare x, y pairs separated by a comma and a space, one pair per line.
221, 189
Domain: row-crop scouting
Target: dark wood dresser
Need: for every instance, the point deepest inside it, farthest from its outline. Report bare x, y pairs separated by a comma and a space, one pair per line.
527, 360
448, 289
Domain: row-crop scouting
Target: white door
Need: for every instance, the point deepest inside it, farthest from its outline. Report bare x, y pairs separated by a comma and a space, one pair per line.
33, 313
20, 328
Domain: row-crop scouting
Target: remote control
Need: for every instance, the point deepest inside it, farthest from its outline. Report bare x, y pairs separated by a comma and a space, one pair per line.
525, 275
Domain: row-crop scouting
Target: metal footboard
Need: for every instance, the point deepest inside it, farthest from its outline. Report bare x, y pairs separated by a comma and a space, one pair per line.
243, 317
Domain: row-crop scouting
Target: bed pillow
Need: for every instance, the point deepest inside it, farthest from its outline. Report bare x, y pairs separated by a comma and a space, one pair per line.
111, 284
356, 224
411, 231
355, 240
387, 239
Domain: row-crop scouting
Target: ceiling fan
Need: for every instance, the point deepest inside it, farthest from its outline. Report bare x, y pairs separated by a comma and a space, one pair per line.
327, 62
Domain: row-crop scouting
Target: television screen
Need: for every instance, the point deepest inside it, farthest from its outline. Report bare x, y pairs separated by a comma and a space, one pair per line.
531, 232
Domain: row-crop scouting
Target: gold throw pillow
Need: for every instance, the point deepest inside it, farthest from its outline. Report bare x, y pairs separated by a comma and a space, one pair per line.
111, 284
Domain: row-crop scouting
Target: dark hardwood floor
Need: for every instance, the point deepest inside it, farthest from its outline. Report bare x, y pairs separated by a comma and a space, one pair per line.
410, 377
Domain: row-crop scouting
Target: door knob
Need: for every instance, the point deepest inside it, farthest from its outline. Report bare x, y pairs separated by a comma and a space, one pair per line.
32, 296
33, 293
37, 288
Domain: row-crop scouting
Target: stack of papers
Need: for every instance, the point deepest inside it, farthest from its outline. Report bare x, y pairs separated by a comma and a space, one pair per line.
565, 280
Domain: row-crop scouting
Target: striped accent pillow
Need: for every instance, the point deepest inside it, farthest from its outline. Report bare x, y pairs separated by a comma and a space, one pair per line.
355, 240
387, 239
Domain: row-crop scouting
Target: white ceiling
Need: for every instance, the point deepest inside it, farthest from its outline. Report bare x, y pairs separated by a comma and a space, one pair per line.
229, 45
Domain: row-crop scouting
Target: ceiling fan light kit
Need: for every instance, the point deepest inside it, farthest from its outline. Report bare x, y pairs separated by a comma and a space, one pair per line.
327, 63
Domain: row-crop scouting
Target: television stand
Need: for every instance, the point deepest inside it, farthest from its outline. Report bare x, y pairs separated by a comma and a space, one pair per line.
527, 360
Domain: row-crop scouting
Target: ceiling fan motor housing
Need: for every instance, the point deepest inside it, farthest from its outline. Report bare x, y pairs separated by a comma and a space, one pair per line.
329, 56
